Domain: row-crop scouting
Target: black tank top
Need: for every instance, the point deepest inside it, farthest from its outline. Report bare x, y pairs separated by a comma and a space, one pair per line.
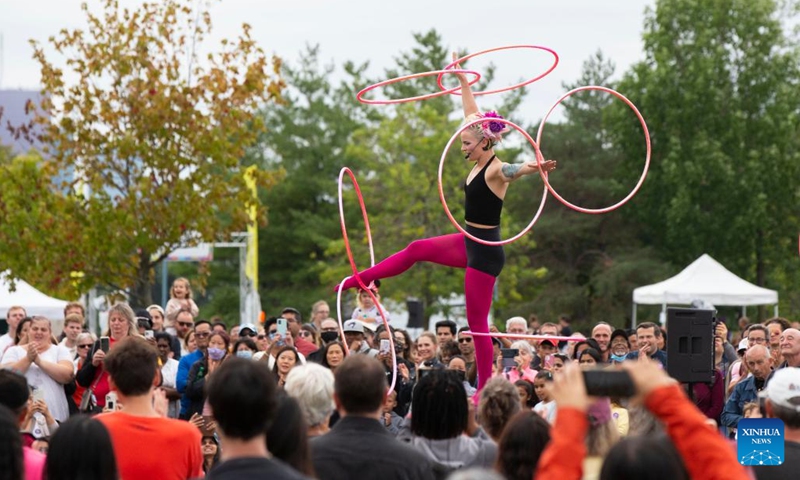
481, 205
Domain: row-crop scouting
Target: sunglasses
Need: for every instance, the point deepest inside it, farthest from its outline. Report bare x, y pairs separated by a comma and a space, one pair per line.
88, 345
261, 337
465, 340
304, 334
186, 324
247, 333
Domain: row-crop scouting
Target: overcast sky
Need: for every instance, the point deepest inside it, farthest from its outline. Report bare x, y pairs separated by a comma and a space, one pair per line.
377, 30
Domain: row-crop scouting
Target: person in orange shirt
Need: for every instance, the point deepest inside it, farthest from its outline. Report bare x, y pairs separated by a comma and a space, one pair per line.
140, 435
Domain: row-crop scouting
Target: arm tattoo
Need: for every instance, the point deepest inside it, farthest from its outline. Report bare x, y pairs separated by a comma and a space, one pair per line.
510, 170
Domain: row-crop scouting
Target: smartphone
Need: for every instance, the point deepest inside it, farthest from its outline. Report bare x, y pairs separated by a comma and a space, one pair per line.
609, 383
508, 357
149, 335
548, 361
385, 347
111, 401
282, 326
38, 394
105, 344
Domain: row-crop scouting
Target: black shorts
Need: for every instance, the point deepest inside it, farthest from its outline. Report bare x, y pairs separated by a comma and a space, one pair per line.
485, 258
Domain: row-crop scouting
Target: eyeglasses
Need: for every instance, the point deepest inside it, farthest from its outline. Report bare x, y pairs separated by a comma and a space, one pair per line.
202, 334
756, 340
465, 340
186, 324
88, 345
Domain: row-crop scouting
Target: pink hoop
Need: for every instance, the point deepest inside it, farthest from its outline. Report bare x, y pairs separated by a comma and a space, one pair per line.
646, 163
360, 95
532, 337
500, 90
444, 201
355, 269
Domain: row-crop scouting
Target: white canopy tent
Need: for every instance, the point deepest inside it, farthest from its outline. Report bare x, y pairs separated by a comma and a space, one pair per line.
707, 280
34, 301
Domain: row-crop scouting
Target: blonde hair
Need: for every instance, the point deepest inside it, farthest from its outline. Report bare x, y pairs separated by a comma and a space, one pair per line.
127, 312
188, 287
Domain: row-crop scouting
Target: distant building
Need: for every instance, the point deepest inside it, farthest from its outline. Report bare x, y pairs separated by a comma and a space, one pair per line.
13, 104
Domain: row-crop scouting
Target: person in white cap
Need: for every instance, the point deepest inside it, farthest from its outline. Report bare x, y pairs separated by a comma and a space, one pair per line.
781, 400
355, 338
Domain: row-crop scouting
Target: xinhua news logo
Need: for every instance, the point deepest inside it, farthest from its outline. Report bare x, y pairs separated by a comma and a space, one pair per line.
760, 441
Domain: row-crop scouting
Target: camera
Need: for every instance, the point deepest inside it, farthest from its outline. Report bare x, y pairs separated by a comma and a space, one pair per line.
609, 383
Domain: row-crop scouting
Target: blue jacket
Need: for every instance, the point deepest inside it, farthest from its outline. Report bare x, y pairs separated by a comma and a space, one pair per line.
744, 391
660, 355
184, 366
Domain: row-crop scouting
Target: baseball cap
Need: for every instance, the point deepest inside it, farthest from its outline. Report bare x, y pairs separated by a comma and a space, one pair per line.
353, 326
144, 319
619, 333
742, 345
548, 340
248, 326
784, 388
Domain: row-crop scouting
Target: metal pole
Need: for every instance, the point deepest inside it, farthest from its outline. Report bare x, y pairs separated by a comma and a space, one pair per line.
633, 319
164, 281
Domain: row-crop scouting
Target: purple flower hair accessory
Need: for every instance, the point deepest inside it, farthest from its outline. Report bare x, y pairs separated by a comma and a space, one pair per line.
493, 129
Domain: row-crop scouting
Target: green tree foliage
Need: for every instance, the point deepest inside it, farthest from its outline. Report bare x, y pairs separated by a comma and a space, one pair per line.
307, 141
150, 145
718, 87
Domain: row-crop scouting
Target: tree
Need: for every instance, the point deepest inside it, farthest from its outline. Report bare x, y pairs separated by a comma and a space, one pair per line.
718, 87
145, 148
307, 143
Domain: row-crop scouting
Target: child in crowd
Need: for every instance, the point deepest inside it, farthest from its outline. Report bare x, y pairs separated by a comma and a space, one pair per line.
391, 420
546, 406
751, 410
527, 398
180, 298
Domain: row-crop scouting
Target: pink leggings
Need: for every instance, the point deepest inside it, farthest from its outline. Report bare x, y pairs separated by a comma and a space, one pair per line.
450, 251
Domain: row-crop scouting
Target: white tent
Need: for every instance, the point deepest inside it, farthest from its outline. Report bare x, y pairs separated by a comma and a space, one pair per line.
34, 301
707, 280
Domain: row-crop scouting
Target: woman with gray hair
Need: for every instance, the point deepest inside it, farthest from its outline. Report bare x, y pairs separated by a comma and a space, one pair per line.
312, 386
523, 359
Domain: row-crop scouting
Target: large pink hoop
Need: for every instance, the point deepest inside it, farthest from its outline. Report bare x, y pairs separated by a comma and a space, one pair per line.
646, 163
539, 159
523, 335
499, 90
360, 95
355, 268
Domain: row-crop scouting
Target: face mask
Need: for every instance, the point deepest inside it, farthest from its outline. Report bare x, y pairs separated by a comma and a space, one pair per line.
245, 354
329, 337
618, 358
398, 348
215, 353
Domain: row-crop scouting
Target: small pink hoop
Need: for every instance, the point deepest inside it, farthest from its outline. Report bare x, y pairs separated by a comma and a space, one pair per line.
355, 268
500, 90
539, 159
360, 95
646, 163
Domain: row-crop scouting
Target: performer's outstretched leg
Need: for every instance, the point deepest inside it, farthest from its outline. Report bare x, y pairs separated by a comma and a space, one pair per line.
478, 288
447, 250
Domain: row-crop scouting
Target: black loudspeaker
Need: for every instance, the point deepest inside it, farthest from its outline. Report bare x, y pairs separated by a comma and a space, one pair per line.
416, 313
690, 345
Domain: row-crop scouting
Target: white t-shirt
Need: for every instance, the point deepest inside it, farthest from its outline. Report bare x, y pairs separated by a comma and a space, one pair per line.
5, 343
73, 351
53, 391
547, 410
169, 373
359, 314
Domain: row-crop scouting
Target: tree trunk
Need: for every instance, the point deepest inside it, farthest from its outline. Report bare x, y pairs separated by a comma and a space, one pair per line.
141, 294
